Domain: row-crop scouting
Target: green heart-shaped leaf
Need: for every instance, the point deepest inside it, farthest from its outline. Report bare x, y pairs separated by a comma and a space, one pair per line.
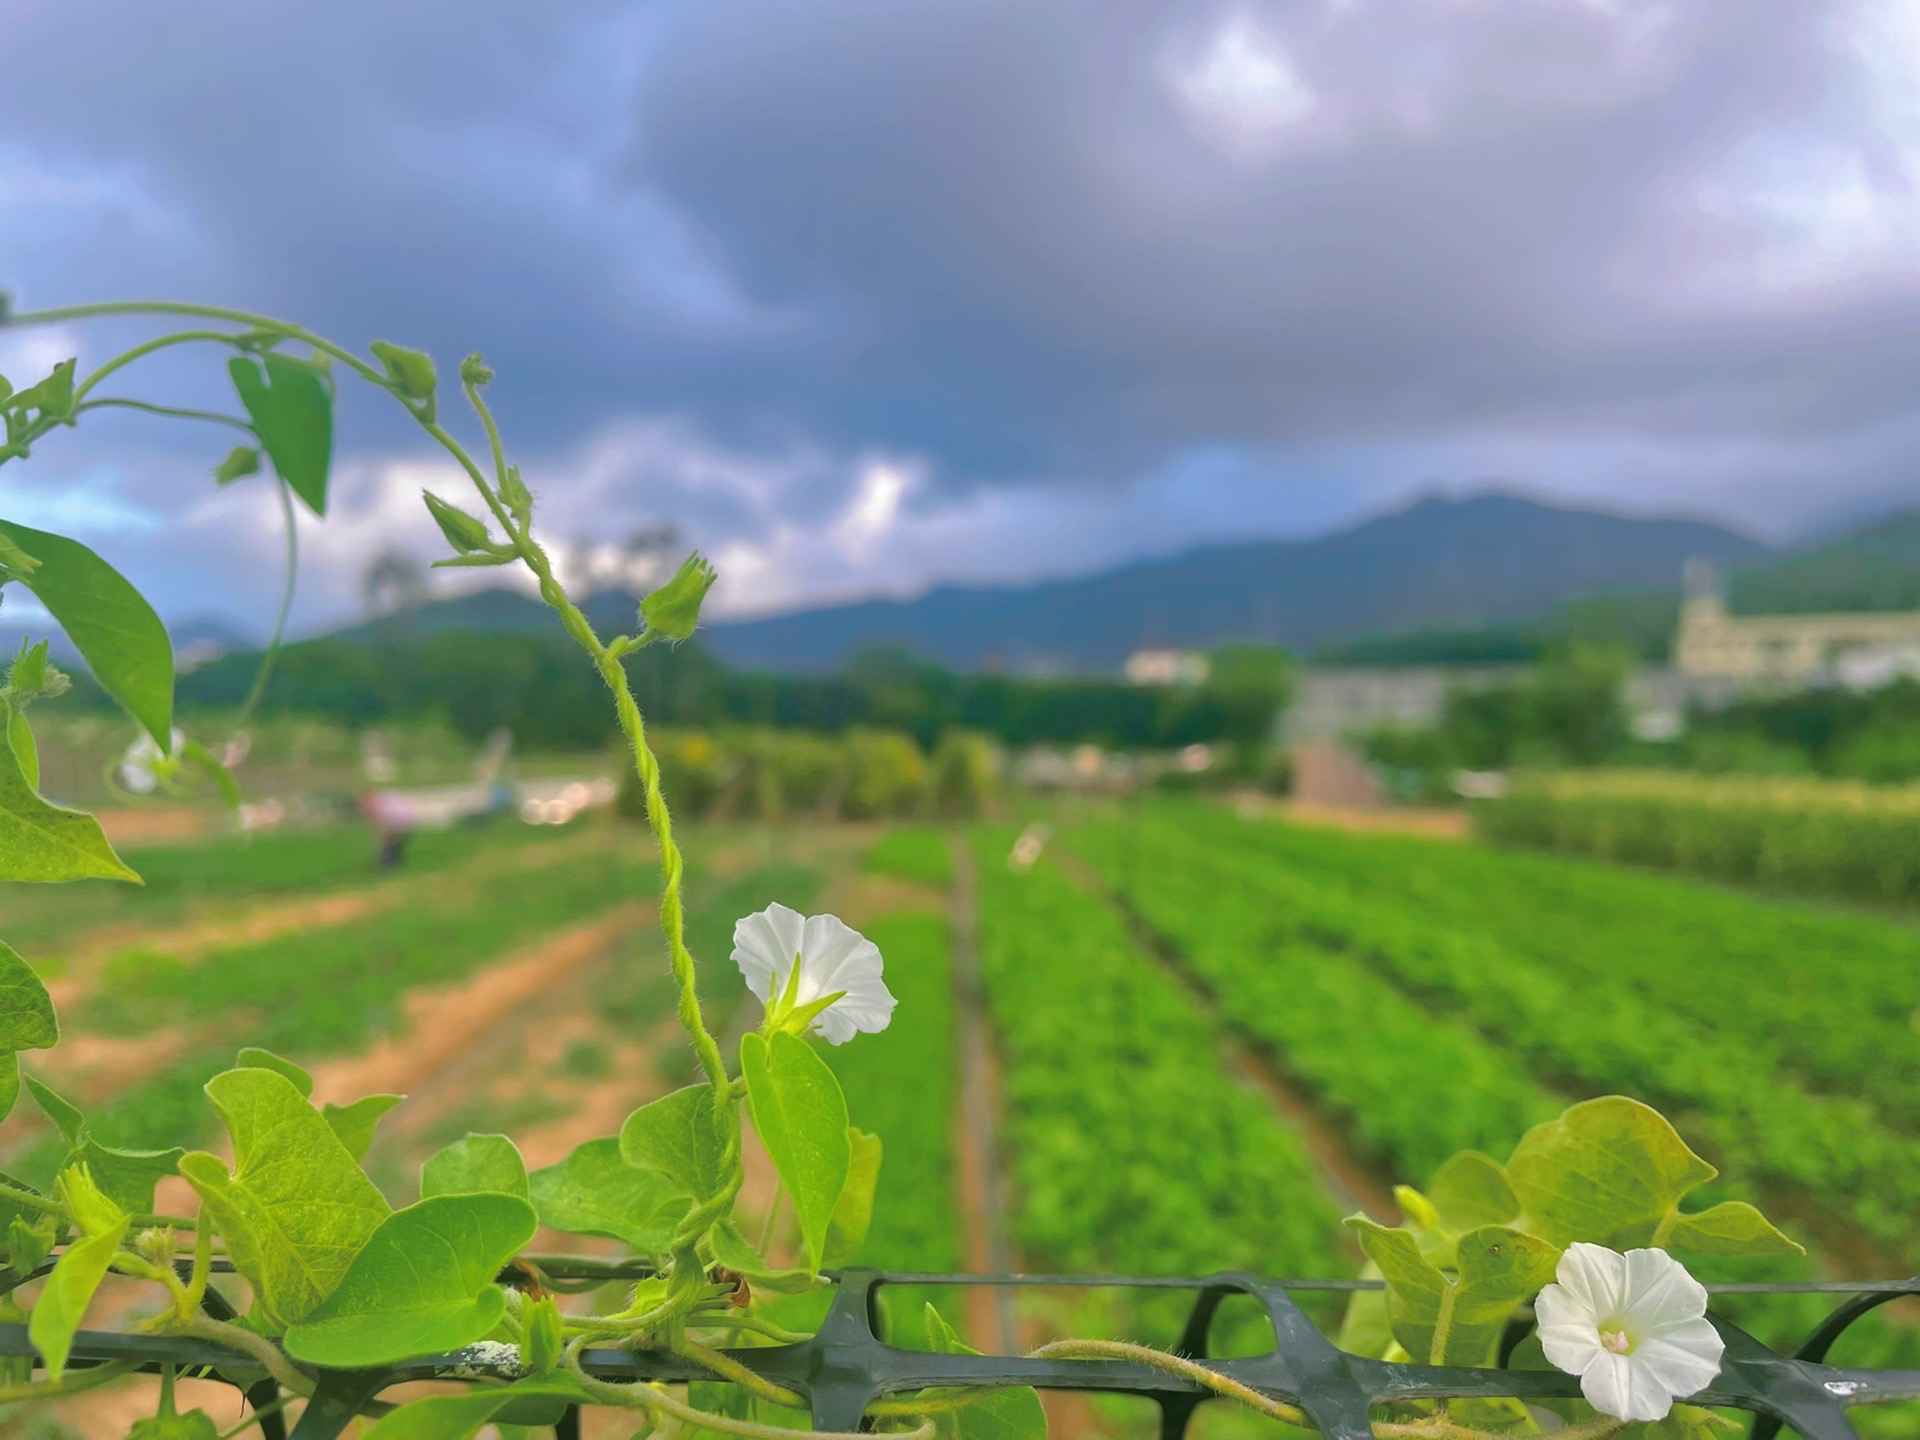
853, 1215
47, 843
422, 1284
596, 1192
109, 622
356, 1123
475, 1164
1613, 1172
26, 1010
297, 1207
1455, 1319
1732, 1227
681, 1137
801, 1117
291, 407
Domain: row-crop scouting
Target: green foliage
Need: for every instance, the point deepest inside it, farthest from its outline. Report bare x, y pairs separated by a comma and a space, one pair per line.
422, 1283
965, 775
1456, 1316
45, 842
1011, 1414
290, 403
1113, 1080
296, 1207
1813, 837
800, 1115
1613, 1172
77, 1274
356, 1123
115, 630
26, 1021
900, 1085
477, 1164
596, 1192
886, 775
126, 1177
681, 1137
920, 855
852, 1214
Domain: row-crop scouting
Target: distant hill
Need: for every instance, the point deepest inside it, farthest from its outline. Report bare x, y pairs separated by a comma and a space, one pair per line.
1437, 563
1874, 568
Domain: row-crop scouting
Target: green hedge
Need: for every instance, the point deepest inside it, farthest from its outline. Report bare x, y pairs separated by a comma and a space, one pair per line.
1807, 836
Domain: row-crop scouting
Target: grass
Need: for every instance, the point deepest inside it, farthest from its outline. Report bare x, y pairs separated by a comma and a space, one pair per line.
42, 920
917, 854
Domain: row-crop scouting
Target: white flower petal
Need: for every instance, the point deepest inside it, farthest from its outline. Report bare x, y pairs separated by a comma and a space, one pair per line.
1685, 1364
1567, 1332
764, 947
1615, 1386
1662, 1292
1596, 1277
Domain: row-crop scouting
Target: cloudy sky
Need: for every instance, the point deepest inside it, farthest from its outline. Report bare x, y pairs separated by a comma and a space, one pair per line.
865, 294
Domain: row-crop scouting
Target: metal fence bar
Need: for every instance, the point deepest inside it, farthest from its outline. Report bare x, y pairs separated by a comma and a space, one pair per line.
843, 1368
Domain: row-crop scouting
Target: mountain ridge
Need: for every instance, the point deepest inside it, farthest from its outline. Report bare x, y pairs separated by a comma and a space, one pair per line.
1489, 556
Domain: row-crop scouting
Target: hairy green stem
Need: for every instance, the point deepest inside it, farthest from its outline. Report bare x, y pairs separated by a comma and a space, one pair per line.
258, 690
269, 1356
645, 1397
172, 412
727, 1368
19, 1195
1173, 1365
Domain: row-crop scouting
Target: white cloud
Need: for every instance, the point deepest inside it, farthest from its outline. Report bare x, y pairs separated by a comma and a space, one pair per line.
1246, 83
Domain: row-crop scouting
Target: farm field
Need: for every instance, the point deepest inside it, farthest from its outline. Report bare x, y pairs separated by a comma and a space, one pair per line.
1206, 1037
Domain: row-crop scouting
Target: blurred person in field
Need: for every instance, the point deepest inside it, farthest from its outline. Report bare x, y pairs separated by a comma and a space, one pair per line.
394, 819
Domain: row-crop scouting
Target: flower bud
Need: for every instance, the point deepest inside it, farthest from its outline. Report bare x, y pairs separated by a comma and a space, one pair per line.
540, 1336
474, 370
514, 491
241, 460
410, 372
465, 533
672, 611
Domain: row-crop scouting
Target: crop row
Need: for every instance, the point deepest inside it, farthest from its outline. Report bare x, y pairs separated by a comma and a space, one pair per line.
1258, 929
900, 1086
1133, 1149
1815, 837
1826, 997
1373, 1057
1567, 1023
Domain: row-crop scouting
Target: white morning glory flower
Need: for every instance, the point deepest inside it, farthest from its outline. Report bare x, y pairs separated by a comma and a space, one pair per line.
835, 989
1633, 1327
143, 766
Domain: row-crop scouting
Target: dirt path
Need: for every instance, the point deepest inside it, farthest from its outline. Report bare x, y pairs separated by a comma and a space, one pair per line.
984, 1246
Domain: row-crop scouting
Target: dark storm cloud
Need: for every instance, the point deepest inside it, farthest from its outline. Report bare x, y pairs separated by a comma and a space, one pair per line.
1073, 280
1474, 214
